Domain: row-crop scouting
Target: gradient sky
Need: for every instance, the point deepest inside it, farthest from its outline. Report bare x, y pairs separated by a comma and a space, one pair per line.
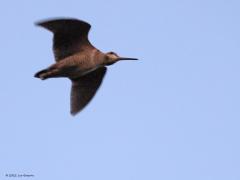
173, 115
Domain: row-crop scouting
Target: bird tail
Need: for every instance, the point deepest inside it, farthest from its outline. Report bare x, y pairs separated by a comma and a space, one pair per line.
46, 73
41, 74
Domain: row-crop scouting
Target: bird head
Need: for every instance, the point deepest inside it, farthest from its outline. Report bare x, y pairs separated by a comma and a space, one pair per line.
112, 57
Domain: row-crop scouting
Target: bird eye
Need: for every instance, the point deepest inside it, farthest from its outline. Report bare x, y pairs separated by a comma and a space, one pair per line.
112, 53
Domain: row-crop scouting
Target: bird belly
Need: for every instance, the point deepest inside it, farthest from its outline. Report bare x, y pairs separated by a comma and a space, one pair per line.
76, 66
78, 72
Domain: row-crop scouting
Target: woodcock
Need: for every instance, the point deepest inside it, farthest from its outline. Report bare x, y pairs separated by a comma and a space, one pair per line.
77, 59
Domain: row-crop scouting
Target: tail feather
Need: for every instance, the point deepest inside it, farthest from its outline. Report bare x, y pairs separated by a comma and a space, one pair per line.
48, 73
40, 73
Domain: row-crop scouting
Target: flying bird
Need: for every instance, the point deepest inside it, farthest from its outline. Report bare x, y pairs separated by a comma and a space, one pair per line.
77, 59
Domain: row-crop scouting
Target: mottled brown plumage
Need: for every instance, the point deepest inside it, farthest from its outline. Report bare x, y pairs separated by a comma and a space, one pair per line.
77, 59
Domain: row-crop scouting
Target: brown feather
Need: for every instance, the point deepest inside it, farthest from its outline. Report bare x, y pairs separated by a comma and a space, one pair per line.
84, 89
70, 36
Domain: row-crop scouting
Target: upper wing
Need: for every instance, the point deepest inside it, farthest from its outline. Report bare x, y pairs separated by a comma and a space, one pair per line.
84, 89
70, 36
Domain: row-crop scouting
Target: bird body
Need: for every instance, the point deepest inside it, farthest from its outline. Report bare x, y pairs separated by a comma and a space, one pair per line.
75, 66
77, 59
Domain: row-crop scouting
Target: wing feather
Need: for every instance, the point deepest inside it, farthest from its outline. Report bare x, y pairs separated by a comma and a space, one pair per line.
70, 36
84, 89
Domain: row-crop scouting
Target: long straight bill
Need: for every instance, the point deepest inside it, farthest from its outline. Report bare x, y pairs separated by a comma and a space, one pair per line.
125, 58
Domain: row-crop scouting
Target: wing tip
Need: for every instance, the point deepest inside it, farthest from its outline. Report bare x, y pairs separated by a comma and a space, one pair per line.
46, 22
38, 23
73, 113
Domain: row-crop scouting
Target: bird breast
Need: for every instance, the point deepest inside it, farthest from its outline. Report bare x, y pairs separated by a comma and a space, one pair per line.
80, 64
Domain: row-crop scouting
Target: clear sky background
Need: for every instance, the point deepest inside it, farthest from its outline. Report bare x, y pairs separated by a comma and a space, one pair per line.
173, 115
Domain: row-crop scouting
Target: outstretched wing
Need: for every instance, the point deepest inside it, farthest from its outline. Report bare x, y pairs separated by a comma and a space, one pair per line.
70, 36
84, 89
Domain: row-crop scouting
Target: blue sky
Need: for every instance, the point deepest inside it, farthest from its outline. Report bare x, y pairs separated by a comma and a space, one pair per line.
173, 115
